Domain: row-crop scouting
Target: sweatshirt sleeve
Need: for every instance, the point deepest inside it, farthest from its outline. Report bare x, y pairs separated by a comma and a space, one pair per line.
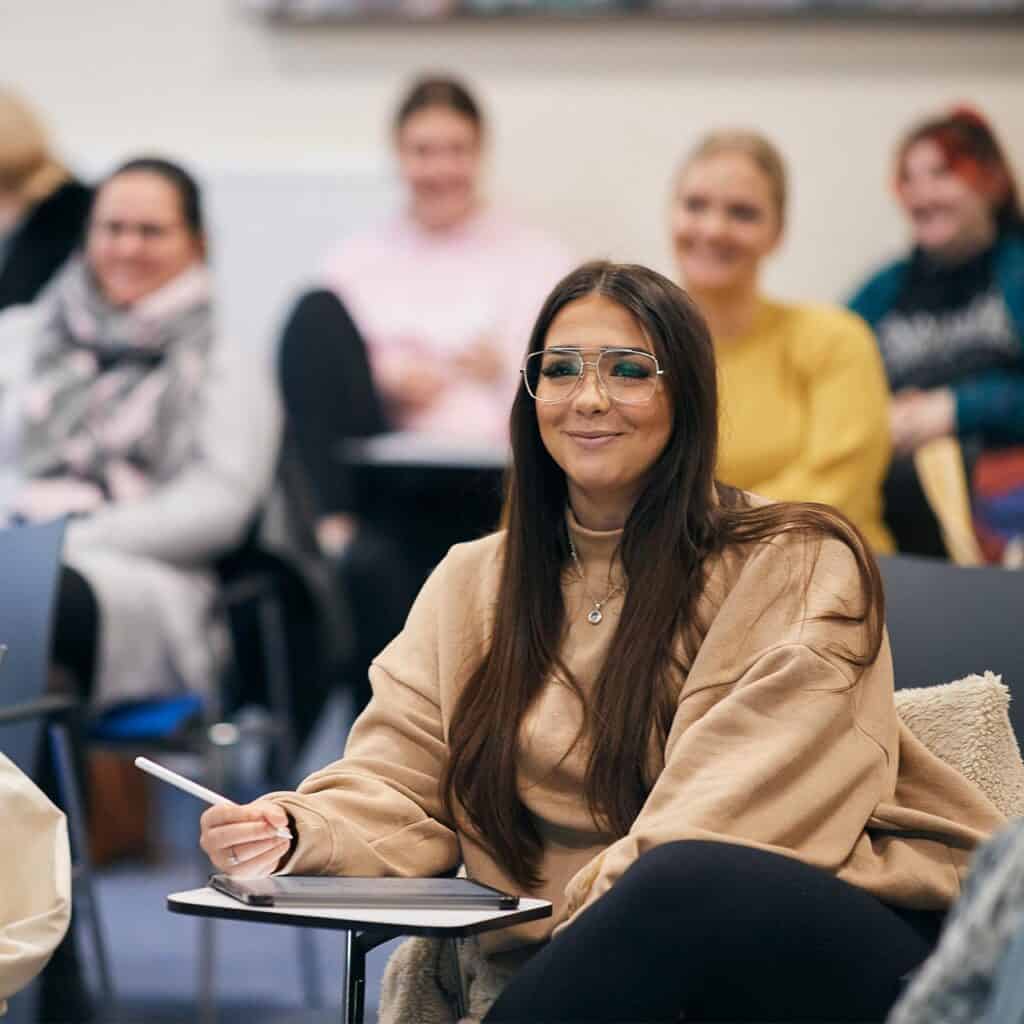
846, 444
206, 509
778, 742
378, 810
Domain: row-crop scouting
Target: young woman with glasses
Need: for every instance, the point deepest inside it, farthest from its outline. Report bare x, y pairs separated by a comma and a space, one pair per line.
803, 390
658, 702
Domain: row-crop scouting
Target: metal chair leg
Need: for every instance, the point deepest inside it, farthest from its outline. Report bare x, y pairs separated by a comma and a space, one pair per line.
309, 968
205, 984
275, 656
461, 1002
215, 754
68, 783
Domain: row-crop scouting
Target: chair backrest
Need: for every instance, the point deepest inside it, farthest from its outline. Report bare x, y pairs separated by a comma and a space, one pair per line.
948, 621
29, 571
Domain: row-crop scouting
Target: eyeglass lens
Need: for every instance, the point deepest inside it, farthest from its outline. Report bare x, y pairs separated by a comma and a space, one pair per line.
626, 376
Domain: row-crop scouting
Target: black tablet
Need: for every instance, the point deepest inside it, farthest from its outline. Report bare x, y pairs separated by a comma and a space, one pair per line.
390, 893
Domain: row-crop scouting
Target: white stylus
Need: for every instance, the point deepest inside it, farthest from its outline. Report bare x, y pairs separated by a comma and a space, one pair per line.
193, 788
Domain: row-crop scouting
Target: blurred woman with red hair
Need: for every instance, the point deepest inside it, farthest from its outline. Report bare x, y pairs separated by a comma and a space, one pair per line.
949, 318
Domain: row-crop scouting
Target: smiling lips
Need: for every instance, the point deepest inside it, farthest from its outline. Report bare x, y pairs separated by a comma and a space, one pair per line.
592, 438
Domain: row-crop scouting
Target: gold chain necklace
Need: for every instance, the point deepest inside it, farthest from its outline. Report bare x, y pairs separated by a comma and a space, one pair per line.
595, 615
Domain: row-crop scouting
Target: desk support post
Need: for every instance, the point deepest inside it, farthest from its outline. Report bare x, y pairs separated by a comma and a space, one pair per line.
357, 945
355, 980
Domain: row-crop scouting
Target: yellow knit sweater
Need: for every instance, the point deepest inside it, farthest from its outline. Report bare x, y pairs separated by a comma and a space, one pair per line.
804, 412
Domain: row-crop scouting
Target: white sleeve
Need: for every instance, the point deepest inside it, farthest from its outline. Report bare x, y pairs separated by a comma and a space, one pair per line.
35, 872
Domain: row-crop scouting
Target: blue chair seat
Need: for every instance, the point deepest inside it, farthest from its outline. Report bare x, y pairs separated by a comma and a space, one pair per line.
156, 719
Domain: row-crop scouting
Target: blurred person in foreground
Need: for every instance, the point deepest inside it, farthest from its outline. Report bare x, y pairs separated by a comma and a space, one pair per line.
420, 328
35, 873
42, 207
802, 387
949, 317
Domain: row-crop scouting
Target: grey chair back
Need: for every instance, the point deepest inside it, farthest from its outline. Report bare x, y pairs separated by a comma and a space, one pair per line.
29, 571
946, 621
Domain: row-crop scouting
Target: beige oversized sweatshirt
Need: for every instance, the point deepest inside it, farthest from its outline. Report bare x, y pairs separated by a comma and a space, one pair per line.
776, 743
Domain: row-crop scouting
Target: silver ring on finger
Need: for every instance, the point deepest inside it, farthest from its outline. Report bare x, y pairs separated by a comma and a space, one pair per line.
232, 856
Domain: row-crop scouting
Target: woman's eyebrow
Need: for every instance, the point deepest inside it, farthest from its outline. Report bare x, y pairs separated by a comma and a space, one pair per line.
603, 348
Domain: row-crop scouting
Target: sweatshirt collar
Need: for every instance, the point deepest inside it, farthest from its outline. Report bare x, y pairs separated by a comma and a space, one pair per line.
597, 551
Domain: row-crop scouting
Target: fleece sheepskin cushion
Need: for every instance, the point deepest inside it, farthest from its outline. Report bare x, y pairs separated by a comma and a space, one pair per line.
967, 724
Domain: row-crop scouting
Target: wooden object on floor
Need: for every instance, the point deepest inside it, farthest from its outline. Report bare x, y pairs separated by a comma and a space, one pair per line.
119, 809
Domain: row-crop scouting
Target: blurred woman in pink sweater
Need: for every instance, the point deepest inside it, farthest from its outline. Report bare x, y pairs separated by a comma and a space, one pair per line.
421, 327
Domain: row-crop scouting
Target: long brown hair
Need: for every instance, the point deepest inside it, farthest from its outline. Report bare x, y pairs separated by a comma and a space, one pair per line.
680, 519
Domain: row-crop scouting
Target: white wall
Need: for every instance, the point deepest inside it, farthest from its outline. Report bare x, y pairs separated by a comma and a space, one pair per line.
589, 118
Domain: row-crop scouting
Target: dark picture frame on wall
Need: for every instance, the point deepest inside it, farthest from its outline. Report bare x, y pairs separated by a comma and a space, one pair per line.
314, 11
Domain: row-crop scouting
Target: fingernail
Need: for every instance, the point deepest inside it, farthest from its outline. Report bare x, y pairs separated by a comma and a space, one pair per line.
283, 833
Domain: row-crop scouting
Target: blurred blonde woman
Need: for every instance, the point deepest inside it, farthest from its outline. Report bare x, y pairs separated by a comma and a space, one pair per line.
803, 391
42, 207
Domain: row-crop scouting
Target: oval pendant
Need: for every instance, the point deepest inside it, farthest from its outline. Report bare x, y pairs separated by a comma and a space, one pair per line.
594, 617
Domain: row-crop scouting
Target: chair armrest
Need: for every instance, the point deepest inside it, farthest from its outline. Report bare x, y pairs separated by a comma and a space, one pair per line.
44, 707
246, 588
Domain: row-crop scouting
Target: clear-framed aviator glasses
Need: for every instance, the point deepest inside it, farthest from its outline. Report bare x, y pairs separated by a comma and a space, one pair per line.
627, 375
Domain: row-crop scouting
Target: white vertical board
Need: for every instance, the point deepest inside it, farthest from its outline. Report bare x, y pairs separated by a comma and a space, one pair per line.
270, 230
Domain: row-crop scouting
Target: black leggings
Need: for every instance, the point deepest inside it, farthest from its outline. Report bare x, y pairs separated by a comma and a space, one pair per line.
907, 513
328, 392
716, 932
76, 631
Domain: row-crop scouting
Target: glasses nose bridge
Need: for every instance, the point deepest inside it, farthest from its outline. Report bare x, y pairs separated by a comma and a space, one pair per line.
599, 382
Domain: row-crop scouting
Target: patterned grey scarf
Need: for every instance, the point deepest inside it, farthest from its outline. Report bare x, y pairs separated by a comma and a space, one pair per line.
110, 408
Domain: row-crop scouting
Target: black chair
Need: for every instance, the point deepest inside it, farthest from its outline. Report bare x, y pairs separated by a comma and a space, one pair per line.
946, 621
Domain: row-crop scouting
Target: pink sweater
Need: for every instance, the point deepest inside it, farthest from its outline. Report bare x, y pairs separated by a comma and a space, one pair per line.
420, 295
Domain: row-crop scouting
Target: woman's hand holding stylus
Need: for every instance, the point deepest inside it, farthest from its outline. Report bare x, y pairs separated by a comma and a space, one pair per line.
241, 840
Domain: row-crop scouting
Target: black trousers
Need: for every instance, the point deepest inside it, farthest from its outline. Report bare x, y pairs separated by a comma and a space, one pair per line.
328, 392
714, 932
908, 514
76, 630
